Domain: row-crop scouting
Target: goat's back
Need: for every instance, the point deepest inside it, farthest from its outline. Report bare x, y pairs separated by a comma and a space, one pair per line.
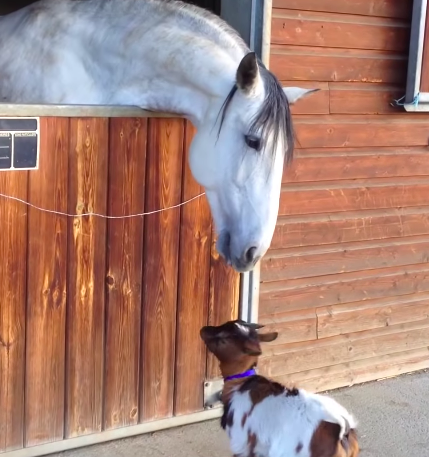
264, 419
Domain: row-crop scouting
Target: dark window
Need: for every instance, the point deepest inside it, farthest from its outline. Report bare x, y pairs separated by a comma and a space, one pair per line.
212, 5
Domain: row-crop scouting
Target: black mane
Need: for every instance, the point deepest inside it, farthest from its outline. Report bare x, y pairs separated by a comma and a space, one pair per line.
273, 117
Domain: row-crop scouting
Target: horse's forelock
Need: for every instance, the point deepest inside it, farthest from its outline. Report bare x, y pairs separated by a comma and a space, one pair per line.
273, 117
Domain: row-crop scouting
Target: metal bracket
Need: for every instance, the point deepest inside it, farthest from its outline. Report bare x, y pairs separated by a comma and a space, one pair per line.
212, 393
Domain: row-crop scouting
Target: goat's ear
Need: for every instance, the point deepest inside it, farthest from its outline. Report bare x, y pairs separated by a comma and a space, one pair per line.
254, 326
267, 337
252, 347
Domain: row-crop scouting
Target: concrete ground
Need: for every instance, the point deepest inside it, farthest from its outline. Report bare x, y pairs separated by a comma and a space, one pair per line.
393, 416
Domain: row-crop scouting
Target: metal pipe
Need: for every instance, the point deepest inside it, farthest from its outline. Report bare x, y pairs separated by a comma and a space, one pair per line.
251, 309
266, 32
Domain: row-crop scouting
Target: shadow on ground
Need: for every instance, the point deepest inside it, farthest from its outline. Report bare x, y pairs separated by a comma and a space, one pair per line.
393, 417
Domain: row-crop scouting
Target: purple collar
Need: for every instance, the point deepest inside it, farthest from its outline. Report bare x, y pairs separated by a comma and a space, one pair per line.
247, 373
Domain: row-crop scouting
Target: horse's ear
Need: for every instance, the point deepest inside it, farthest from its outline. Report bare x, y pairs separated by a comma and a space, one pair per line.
248, 72
293, 94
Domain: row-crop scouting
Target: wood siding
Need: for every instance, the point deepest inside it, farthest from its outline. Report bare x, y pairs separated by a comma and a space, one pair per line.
346, 281
100, 318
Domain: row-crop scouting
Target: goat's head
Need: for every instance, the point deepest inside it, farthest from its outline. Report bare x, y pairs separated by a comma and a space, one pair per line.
236, 344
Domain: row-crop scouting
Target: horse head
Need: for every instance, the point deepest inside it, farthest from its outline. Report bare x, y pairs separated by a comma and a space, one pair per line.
238, 155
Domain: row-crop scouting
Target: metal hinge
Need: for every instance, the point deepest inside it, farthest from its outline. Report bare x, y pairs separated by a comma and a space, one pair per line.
213, 393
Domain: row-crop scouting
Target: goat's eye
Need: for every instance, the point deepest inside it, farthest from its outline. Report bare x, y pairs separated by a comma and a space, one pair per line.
220, 341
253, 142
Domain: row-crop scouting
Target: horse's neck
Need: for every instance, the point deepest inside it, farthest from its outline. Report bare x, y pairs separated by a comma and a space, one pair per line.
152, 54
190, 86
188, 83
192, 66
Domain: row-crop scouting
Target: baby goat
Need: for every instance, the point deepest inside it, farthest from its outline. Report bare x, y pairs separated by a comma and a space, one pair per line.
264, 418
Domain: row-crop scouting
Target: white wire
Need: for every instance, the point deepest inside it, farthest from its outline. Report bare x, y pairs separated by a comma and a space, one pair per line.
59, 213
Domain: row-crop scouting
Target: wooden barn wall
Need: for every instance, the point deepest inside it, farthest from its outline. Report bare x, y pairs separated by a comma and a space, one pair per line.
100, 319
346, 281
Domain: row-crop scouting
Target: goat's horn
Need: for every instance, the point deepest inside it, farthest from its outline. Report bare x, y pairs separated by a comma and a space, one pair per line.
254, 326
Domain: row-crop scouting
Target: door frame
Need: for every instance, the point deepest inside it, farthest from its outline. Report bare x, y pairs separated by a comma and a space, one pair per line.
252, 19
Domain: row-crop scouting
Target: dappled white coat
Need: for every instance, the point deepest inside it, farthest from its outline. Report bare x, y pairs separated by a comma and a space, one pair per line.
283, 425
167, 56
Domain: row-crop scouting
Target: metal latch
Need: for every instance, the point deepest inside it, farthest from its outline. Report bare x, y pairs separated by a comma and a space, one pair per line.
213, 393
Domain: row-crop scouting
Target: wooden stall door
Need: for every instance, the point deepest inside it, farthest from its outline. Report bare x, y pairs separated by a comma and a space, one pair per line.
100, 317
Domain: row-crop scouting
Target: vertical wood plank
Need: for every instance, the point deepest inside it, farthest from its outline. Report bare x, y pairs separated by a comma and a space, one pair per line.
124, 271
161, 248
193, 294
13, 255
224, 300
46, 292
87, 265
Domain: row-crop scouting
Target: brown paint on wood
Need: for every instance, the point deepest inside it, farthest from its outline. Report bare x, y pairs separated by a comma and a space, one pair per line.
359, 177
346, 348
383, 8
361, 131
341, 368
363, 98
316, 103
357, 371
302, 63
315, 230
46, 287
160, 277
124, 271
371, 314
193, 292
223, 302
87, 267
328, 290
366, 197
410, 119
291, 327
340, 164
13, 252
333, 259
424, 84
339, 31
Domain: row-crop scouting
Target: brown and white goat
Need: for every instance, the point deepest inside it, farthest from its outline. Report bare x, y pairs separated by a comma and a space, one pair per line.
265, 419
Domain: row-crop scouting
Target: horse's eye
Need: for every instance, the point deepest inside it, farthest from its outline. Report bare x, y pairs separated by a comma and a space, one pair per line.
253, 142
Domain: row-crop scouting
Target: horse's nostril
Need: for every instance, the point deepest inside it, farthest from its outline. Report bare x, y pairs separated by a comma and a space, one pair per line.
250, 254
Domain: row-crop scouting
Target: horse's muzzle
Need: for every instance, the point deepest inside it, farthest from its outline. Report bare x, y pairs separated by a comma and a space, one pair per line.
246, 262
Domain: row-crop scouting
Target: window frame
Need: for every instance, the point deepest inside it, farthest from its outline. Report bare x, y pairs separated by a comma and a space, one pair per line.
417, 100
